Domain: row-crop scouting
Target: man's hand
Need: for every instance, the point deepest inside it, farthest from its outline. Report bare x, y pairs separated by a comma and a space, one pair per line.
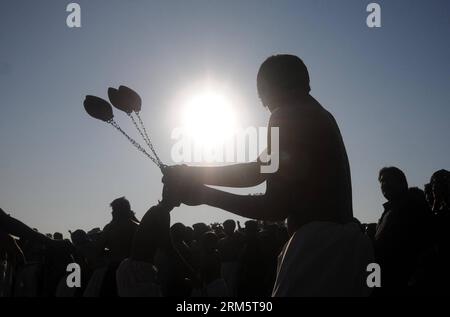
176, 174
185, 191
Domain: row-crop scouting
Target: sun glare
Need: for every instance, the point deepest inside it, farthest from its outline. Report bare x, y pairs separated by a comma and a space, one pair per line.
209, 118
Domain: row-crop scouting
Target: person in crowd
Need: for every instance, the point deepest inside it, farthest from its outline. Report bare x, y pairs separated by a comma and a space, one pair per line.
440, 183
117, 236
428, 190
138, 274
399, 238
230, 248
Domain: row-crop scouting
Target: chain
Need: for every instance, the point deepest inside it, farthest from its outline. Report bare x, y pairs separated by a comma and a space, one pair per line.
147, 138
136, 144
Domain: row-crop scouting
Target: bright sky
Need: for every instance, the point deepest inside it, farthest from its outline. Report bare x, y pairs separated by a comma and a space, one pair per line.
388, 88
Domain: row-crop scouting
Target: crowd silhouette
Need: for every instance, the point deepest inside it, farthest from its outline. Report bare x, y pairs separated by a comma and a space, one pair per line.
303, 239
410, 241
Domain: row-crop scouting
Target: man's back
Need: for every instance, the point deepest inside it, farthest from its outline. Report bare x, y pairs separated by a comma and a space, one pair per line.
119, 237
314, 167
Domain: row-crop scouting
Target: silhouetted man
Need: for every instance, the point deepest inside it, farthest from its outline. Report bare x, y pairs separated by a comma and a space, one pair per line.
311, 188
230, 247
440, 183
401, 231
139, 274
117, 236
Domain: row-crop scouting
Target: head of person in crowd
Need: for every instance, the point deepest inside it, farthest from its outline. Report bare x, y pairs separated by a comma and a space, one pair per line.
178, 231
79, 237
199, 229
121, 210
393, 183
229, 226
440, 184
94, 233
251, 228
58, 236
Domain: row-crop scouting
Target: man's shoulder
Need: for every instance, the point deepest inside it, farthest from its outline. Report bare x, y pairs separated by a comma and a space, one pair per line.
302, 113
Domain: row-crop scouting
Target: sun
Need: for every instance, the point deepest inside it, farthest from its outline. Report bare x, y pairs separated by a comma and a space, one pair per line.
209, 118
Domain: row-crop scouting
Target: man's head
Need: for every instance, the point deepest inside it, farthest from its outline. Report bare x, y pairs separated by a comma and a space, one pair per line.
393, 183
199, 229
79, 237
281, 78
229, 226
57, 236
251, 227
178, 231
440, 185
121, 209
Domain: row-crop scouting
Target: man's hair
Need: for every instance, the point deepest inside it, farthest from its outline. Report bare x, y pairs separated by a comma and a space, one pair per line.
280, 74
121, 209
120, 204
441, 177
395, 172
229, 224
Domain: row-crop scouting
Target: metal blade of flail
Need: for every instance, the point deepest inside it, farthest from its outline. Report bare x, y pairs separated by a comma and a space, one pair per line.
101, 109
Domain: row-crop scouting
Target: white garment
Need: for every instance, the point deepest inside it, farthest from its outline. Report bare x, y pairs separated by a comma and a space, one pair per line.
137, 279
324, 259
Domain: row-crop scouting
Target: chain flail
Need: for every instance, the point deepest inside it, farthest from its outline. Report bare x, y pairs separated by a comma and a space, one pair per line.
136, 144
147, 139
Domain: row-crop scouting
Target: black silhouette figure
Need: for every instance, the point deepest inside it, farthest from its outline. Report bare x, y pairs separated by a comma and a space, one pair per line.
311, 188
398, 244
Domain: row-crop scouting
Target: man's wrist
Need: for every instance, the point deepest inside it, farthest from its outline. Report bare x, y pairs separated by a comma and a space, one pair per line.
165, 205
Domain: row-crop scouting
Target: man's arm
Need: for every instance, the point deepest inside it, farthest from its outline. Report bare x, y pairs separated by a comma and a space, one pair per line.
16, 228
263, 207
237, 175
153, 234
8, 244
282, 185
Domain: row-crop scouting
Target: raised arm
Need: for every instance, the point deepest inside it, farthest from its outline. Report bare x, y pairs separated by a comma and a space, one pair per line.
151, 234
16, 228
